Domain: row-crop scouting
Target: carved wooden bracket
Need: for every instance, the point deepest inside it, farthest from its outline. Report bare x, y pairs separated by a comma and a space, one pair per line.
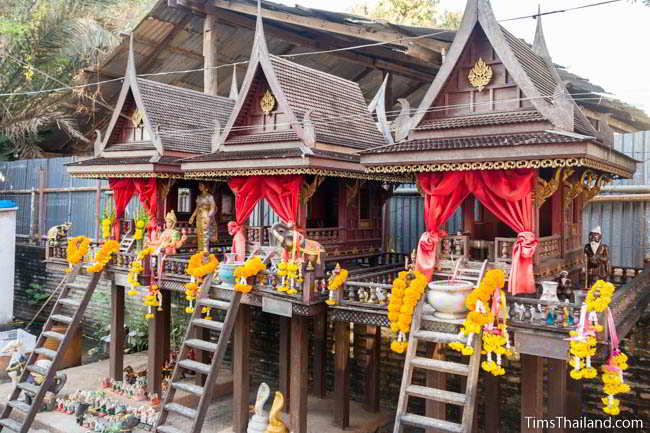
594, 186
546, 188
588, 186
163, 187
308, 190
352, 190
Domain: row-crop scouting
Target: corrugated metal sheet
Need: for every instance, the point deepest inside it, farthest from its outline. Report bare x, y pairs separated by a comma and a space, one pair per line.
625, 224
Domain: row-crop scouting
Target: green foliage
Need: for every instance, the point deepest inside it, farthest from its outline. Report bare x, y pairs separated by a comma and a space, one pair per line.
421, 13
35, 295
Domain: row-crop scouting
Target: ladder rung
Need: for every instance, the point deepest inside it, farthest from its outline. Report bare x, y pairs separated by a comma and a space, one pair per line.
432, 423
210, 324
61, 318
20, 405
38, 370
206, 346
188, 387
29, 387
181, 410
199, 367
167, 429
441, 366
45, 352
214, 303
55, 335
438, 337
78, 286
70, 302
11, 424
436, 394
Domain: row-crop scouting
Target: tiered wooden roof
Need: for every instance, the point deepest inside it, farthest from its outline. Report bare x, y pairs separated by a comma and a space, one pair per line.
523, 117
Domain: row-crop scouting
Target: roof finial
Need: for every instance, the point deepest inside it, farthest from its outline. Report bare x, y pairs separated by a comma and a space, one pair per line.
130, 64
233, 83
539, 45
260, 39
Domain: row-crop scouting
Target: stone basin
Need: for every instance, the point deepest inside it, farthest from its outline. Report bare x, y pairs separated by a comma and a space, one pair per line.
447, 297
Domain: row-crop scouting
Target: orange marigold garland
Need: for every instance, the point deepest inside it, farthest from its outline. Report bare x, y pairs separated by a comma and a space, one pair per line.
77, 250
406, 292
103, 256
153, 299
250, 268
136, 268
197, 269
335, 282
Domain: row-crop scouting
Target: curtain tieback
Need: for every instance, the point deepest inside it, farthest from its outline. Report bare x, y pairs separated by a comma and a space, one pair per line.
233, 228
525, 245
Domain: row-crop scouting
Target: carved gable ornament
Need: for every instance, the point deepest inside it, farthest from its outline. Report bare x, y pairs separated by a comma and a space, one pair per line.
136, 118
480, 75
267, 103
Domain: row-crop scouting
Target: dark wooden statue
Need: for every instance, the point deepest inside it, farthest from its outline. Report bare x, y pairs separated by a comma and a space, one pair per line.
597, 257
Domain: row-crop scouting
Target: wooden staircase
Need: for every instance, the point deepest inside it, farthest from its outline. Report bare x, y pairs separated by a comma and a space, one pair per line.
420, 333
60, 315
127, 243
194, 339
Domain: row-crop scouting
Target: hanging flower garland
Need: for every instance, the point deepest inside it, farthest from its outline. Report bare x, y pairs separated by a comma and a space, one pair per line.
77, 250
136, 268
406, 292
153, 299
496, 339
282, 271
107, 223
250, 268
335, 282
197, 270
103, 256
583, 344
140, 223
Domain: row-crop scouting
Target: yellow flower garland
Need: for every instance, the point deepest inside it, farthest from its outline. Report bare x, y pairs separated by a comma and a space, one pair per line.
136, 268
613, 383
251, 267
139, 230
107, 227
402, 304
600, 303
153, 299
104, 255
197, 270
77, 250
335, 283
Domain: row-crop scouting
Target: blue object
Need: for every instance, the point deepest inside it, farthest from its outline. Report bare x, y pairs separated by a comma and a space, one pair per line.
227, 273
550, 318
7, 204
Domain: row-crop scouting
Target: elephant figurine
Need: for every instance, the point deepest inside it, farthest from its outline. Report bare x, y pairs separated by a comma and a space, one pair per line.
287, 236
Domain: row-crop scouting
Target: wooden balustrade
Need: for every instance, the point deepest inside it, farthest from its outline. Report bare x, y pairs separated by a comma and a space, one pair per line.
550, 247
454, 246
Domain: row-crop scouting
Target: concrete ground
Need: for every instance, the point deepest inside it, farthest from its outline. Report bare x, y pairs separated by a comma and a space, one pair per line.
218, 418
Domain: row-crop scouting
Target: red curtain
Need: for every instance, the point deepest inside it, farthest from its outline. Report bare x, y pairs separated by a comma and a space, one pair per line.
146, 190
282, 193
442, 195
123, 190
505, 193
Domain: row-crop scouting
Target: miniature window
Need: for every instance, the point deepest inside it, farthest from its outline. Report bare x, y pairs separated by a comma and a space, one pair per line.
184, 200
364, 204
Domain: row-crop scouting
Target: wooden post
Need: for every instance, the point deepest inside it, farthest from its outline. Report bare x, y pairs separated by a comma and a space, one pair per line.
98, 209
434, 409
283, 364
299, 377
341, 372
492, 407
532, 393
154, 353
468, 214
320, 352
116, 349
167, 324
557, 389
372, 373
210, 83
42, 183
574, 399
240, 371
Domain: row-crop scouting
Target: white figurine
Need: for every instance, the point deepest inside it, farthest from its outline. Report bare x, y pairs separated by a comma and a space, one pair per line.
260, 419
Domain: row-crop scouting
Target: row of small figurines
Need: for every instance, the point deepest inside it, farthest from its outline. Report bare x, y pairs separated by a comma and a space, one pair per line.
136, 391
556, 315
369, 295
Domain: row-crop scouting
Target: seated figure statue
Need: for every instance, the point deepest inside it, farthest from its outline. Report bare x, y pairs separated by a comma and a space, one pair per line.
170, 239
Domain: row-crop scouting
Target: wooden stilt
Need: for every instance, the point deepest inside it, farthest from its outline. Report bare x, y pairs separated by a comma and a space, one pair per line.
532, 393
116, 350
320, 351
372, 373
438, 380
283, 364
574, 398
557, 388
155, 354
167, 325
241, 375
299, 377
341, 372
492, 406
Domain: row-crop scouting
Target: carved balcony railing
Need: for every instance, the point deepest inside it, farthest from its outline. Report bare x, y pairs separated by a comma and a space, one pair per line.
325, 235
550, 247
454, 246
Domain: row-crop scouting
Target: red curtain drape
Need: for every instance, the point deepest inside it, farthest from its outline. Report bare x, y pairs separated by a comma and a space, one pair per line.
123, 190
505, 193
146, 190
282, 193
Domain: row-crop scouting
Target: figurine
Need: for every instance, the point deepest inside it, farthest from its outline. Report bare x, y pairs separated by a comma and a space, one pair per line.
170, 239
259, 420
362, 293
564, 287
129, 375
57, 233
520, 310
380, 294
536, 314
297, 246
155, 400
276, 425
16, 362
204, 215
597, 254
36, 379
80, 411
107, 382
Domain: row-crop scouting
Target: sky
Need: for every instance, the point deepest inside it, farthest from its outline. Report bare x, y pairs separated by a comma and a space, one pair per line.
607, 44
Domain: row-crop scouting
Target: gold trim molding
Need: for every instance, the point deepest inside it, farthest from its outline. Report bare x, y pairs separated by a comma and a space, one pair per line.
109, 174
316, 171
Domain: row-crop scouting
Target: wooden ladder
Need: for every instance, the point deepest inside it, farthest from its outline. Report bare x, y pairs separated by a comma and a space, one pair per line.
412, 361
126, 243
194, 341
78, 306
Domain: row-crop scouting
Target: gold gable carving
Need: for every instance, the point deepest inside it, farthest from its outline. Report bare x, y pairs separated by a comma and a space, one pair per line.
480, 75
267, 103
136, 118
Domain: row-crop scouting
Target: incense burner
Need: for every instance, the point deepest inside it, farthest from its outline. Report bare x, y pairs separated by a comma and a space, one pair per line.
448, 298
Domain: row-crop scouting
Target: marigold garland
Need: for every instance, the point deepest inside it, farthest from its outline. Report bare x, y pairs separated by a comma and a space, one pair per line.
600, 302
250, 268
197, 270
77, 250
139, 229
136, 268
335, 282
496, 339
613, 383
406, 292
103, 256
153, 299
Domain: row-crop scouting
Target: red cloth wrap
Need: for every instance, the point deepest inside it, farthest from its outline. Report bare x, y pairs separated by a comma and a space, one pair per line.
147, 192
505, 193
123, 190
